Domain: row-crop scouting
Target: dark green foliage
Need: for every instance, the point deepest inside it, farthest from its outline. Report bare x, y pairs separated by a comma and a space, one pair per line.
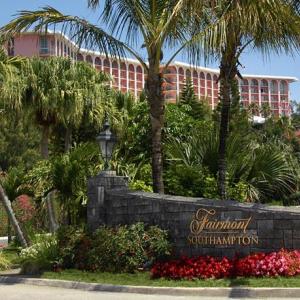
293, 199
70, 241
198, 109
120, 249
258, 170
19, 141
185, 180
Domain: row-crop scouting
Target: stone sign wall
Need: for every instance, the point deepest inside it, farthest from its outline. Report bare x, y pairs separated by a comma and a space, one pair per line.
196, 226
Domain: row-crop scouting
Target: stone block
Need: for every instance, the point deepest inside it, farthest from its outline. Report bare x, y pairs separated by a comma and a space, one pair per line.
288, 239
296, 224
258, 215
285, 216
275, 244
296, 234
265, 225
173, 208
283, 224
265, 233
231, 215
119, 202
241, 252
156, 207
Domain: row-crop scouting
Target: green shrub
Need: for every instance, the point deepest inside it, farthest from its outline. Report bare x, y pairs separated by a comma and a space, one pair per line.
184, 180
293, 199
40, 256
127, 248
120, 249
73, 245
5, 264
140, 185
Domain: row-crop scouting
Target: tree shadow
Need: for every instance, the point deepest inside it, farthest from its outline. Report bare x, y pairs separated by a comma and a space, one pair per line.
240, 288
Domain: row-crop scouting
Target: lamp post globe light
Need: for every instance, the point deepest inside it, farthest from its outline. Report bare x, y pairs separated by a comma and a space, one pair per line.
107, 141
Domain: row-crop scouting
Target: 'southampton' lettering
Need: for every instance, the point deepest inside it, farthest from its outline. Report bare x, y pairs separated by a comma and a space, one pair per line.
207, 230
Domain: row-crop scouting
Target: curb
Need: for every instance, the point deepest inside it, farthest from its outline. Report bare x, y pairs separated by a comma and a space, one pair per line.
233, 292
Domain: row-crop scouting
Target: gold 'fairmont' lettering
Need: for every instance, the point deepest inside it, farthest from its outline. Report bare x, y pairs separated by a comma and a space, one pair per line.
207, 230
203, 221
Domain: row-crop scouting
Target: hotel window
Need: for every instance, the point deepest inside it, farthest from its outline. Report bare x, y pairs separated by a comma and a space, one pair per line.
89, 59
264, 87
283, 87
43, 45
244, 86
80, 57
274, 89
254, 98
254, 86
208, 80
274, 98
265, 98
283, 98
98, 62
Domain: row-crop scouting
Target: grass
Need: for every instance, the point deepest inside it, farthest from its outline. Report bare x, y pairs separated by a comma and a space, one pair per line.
143, 278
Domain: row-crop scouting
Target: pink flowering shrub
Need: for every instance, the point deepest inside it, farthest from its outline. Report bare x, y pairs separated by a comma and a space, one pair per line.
24, 208
281, 263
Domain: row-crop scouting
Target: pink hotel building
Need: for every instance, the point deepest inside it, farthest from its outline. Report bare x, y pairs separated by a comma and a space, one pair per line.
129, 76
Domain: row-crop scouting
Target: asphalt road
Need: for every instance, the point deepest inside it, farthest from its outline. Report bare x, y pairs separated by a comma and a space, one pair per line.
24, 292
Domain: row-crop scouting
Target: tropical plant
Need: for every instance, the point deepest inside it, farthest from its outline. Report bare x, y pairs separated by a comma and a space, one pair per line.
265, 25
67, 175
159, 24
19, 141
58, 91
257, 170
198, 109
40, 256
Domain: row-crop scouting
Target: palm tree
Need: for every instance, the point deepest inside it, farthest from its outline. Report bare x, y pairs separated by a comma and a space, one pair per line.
159, 25
58, 91
266, 25
9, 74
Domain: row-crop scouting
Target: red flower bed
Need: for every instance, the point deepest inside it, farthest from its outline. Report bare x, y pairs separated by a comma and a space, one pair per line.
281, 263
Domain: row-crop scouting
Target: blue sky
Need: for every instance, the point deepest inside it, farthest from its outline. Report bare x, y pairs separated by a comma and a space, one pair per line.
253, 63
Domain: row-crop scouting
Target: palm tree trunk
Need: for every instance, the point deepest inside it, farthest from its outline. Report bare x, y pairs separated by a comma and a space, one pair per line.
228, 71
49, 198
53, 226
45, 141
13, 220
8, 231
68, 139
156, 102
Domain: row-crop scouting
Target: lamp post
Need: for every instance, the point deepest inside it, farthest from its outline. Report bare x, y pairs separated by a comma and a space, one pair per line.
107, 141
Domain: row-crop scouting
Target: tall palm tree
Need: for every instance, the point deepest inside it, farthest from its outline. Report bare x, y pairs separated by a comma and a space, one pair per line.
58, 91
175, 25
266, 25
9, 74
